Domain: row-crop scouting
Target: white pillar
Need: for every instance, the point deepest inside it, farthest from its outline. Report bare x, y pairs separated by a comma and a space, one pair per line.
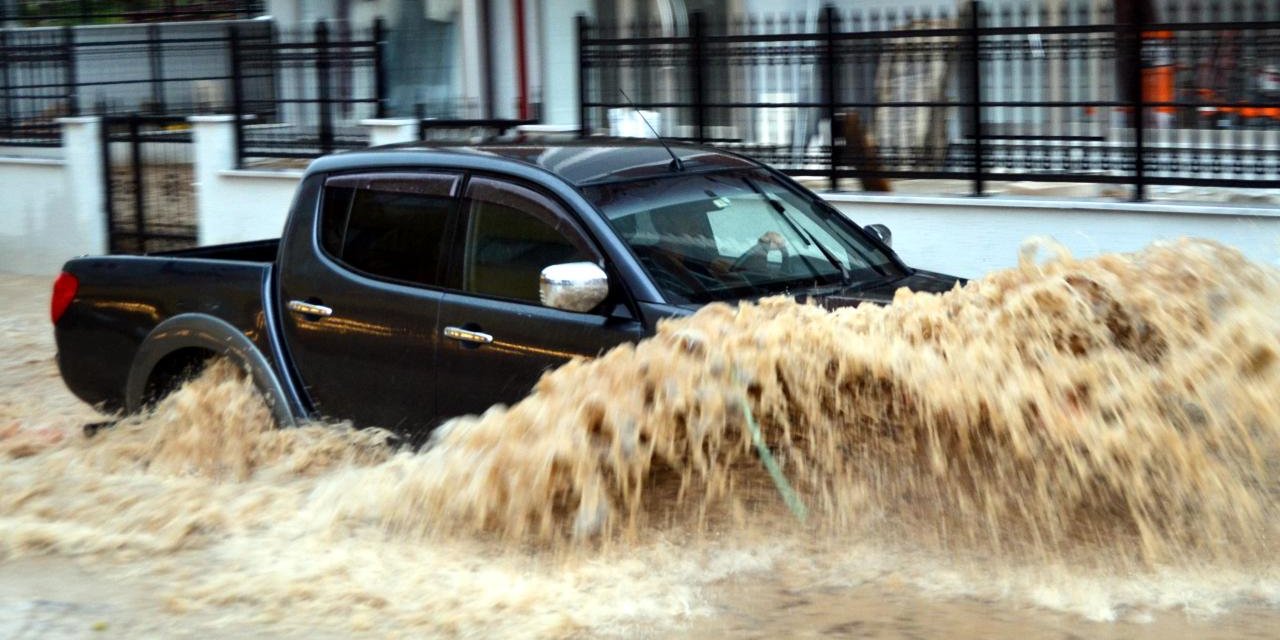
214, 139
390, 130
560, 64
506, 84
471, 47
82, 148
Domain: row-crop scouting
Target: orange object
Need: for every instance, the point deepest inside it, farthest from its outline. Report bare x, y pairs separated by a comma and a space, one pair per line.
1158, 70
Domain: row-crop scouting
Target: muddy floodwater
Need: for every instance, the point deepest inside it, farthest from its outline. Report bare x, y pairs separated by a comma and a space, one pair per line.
1068, 449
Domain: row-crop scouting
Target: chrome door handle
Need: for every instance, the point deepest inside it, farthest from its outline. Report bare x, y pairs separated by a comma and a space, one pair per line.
475, 337
309, 309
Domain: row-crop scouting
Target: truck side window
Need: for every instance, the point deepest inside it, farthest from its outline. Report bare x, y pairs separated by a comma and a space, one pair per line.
513, 233
389, 225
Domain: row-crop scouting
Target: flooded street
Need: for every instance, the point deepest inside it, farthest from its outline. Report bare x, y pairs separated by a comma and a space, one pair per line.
1079, 450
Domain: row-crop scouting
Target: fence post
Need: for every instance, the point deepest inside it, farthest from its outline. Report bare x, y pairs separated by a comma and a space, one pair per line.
322, 87
86, 228
139, 192
69, 58
584, 127
975, 108
380, 66
112, 243
213, 148
237, 92
829, 26
5, 55
1133, 55
697, 31
385, 131
157, 69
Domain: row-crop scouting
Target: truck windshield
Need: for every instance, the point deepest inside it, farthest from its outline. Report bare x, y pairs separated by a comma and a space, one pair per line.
728, 235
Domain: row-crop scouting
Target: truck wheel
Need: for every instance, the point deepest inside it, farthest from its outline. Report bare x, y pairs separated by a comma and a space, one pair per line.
182, 346
173, 371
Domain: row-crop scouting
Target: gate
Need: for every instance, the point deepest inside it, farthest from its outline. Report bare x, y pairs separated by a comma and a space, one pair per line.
148, 171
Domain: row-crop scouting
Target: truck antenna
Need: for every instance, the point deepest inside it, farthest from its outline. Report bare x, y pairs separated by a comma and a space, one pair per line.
676, 164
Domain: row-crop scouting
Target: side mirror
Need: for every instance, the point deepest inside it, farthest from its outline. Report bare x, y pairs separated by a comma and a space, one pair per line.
573, 286
881, 232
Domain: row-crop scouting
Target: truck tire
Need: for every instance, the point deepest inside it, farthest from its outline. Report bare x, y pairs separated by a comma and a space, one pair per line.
181, 346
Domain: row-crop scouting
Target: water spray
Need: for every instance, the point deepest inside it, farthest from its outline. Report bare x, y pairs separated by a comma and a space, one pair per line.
788, 493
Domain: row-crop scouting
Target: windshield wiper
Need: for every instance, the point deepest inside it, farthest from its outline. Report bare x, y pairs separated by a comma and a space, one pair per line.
845, 276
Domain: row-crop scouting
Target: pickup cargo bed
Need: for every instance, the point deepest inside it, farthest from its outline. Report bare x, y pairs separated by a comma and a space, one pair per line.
255, 251
121, 299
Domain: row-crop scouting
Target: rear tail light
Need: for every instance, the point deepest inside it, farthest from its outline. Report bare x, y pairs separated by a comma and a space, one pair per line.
64, 291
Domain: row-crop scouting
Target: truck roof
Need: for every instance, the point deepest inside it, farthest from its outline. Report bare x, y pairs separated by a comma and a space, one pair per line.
578, 162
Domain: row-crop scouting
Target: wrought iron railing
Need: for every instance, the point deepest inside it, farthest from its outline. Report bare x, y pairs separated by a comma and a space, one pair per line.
1188, 96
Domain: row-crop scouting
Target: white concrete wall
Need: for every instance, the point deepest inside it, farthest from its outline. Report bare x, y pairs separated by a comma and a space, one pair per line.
52, 208
245, 205
35, 215
235, 205
971, 236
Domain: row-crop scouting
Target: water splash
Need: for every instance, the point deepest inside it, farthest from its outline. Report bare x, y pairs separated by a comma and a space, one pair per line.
1112, 404
1113, 415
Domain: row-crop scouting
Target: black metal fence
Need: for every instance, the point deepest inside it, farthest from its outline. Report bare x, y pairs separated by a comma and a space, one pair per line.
296, 95
171, 69
301, 95
147, 172
36, 86
980, 94
40, 13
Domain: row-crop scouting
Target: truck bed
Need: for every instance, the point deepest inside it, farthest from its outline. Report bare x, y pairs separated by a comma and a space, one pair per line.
121, 299
254, 251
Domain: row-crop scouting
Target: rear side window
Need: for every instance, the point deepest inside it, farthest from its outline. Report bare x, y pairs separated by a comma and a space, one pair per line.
390, 225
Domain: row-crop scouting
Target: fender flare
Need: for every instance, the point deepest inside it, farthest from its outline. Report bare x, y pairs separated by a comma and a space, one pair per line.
213, 334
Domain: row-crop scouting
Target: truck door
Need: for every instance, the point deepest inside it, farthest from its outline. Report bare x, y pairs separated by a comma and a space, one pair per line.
360, 292
497, 339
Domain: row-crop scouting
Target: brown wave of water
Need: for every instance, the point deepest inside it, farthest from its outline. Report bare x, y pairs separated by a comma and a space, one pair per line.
1107, 423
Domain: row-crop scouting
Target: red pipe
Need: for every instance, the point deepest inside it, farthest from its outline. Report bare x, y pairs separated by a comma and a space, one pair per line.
522, 72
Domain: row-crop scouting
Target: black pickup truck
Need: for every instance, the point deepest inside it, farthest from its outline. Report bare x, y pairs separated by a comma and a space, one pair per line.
413, 284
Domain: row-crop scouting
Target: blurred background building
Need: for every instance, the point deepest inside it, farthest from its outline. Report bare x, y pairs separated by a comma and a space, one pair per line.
519, 59
1108, 99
